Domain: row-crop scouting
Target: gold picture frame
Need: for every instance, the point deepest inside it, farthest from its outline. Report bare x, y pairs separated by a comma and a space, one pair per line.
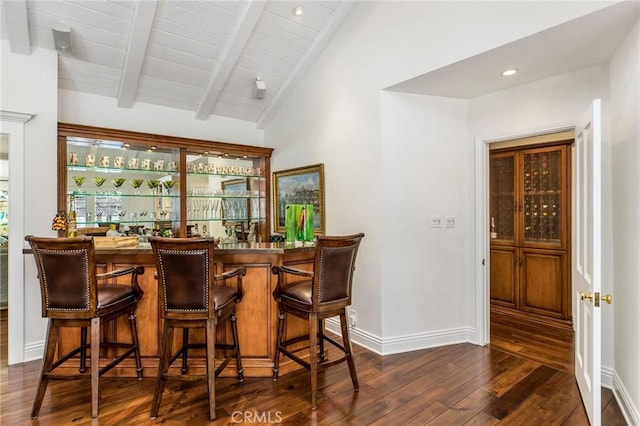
302, 185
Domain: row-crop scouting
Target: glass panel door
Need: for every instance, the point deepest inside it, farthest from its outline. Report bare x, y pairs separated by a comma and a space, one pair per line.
116, 183
502, 197
226, 196
542, 177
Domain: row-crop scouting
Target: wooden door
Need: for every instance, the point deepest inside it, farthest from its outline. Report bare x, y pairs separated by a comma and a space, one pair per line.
529, 210
504, 276
543, 289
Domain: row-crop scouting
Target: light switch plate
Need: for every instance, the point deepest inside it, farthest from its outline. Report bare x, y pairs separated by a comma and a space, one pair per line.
450, 222
436, 221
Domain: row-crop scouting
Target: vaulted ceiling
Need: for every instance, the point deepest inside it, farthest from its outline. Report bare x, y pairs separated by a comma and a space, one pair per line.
202, 56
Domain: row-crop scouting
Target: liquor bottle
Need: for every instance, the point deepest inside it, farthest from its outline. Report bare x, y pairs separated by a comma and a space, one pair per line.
72, 227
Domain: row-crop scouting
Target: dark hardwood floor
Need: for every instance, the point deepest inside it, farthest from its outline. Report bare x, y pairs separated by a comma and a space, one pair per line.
547, 345
452, 385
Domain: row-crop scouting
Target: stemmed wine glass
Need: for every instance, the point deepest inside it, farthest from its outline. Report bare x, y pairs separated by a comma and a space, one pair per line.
168, 184
79, 180
117, 183
153, 185
136, 183
99, 181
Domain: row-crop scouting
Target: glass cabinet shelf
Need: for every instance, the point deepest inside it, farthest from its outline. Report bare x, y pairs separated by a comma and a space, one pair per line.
71, 167
147, 183
114, 194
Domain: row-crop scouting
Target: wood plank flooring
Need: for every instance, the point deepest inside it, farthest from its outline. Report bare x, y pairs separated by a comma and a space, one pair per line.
542, 343
454, 385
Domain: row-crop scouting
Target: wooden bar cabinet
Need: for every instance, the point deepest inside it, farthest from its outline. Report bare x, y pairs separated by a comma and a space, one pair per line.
530, 211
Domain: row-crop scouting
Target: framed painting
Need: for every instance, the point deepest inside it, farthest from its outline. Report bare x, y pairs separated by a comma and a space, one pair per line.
302, 185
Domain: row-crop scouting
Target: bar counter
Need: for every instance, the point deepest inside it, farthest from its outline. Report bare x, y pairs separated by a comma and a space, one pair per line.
257, 313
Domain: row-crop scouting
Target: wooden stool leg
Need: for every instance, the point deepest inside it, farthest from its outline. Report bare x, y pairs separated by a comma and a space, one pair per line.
321, 338
313, 357
279, 339
134, 340
83, 350
236, 344
185, 344
165, 356
47, 362
346, 342
211, 366
95, 365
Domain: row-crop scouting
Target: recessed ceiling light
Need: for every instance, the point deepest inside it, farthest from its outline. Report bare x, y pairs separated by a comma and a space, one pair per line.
509, 72
297, 10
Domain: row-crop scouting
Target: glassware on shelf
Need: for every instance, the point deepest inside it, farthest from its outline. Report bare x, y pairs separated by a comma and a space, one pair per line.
79, 180
136, 183
231, 234
153, 185
99, 181
117, 183
168, 185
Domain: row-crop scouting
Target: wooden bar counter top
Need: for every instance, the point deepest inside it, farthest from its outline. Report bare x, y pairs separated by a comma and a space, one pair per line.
257, 313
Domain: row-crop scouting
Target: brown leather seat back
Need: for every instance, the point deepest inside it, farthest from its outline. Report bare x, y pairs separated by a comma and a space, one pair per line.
65, 277
186, 273
333, 269
66, 271
184, 278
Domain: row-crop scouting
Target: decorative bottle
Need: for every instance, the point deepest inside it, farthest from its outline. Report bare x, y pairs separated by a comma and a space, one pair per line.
72, 227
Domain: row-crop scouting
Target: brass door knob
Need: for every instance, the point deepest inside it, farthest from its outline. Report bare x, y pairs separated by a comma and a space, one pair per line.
607, 299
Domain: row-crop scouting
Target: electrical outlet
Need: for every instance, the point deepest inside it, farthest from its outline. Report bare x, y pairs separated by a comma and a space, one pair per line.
436, 222
450, 222
352, 318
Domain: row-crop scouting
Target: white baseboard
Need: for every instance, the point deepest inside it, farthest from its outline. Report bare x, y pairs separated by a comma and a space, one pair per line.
407, 343
629, 410
606, 377
33, 351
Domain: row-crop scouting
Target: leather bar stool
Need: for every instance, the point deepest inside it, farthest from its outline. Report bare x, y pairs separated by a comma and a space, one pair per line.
190, 298
315, 296
72, 297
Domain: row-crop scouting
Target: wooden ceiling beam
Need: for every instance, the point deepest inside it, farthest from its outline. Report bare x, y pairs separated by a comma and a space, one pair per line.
136, 50
16, 21
230, 56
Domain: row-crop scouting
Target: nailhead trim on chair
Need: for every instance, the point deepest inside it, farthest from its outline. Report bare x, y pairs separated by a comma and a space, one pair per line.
189, 253
322, 259
44, 277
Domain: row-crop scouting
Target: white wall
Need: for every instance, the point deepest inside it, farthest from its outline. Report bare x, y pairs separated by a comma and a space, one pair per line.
102, 111
426, 150
336, 115
625, 111
29, 85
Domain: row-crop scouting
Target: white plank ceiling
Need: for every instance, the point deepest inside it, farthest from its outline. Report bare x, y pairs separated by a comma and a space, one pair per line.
198, 55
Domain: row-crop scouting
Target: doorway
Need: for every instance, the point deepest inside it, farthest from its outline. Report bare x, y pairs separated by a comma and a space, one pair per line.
529, 206
4, 245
